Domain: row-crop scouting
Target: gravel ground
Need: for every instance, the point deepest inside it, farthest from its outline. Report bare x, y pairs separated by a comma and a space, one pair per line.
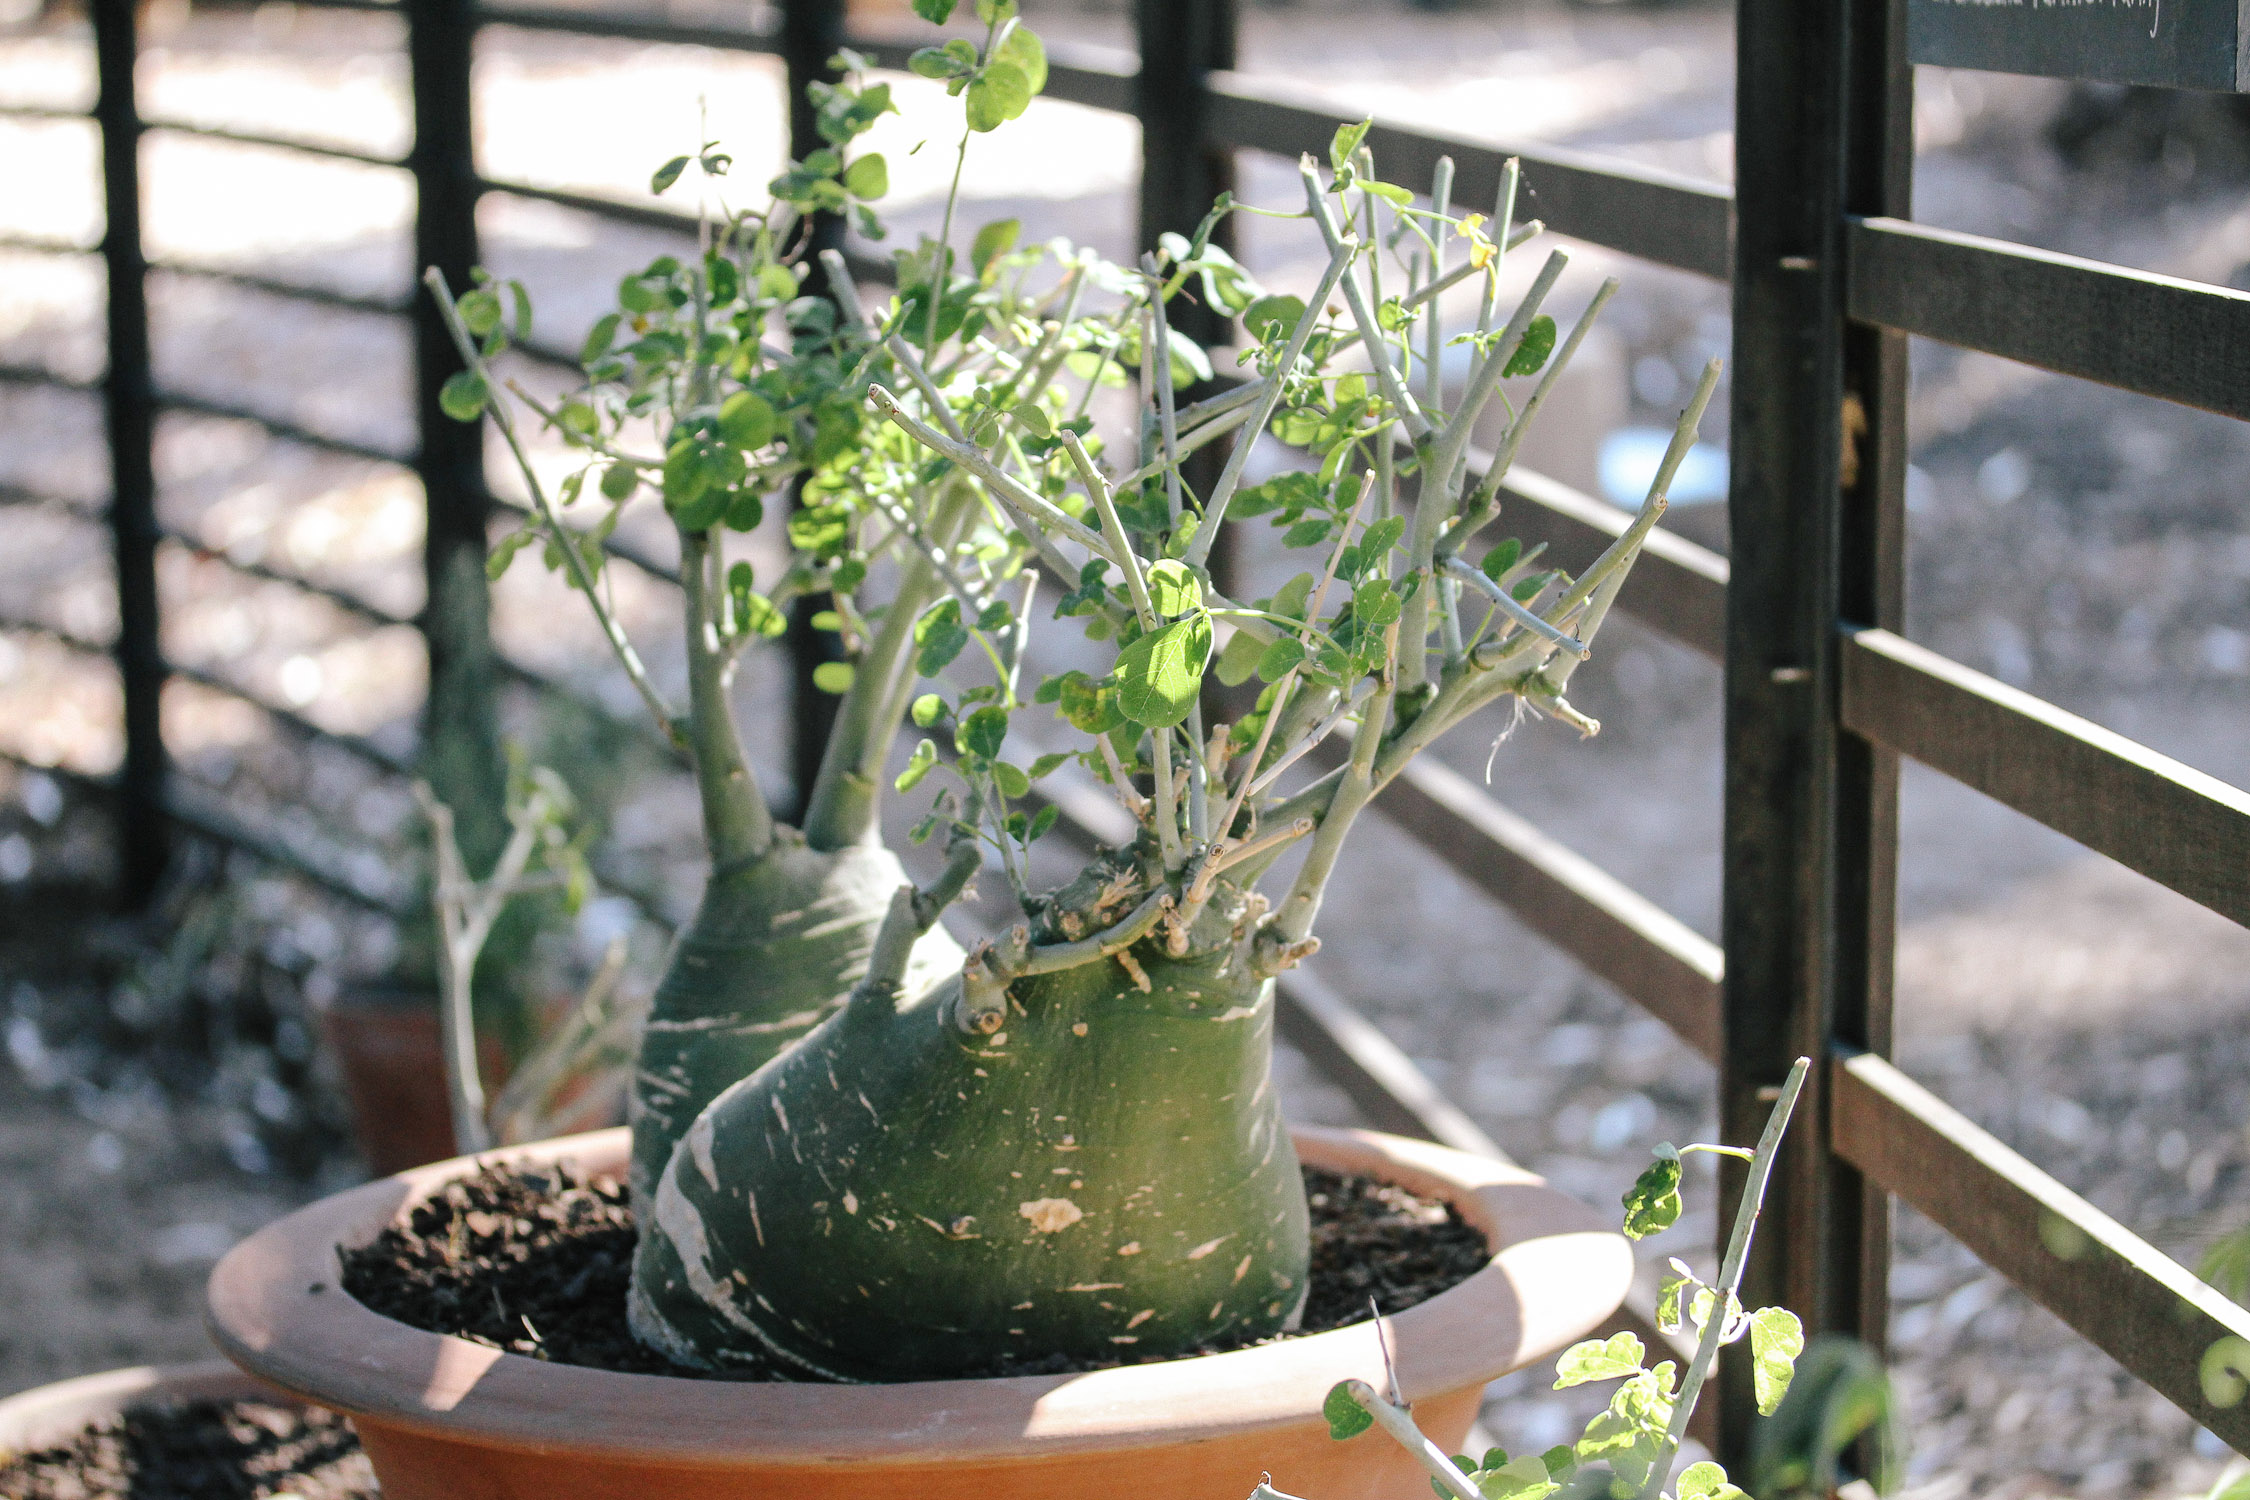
165, 1096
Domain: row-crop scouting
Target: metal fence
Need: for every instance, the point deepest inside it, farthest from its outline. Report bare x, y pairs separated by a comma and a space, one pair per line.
1829, 277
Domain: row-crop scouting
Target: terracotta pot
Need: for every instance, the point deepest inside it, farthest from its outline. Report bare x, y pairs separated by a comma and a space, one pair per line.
390, 1051
49, 1415
445, 1419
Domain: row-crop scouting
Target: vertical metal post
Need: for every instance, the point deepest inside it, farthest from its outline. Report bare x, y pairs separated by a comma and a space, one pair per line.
811, 31
143, 834
1781, 841
1181, 43
1878, 180
460, 729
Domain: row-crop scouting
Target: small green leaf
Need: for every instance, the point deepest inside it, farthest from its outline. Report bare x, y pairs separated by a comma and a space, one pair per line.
1307, 532
868, 177
480, 311
1525, 1478
1240, 659
1776, 1339
667, 174
1389, 192
938, 63
993, 241
1668, 1304
1173, 589
1528, 587
745, 511
983, 732
936, 12
1707, 1481
1278, 658
1531, 354
598, 339
1501, 558
1596, 1359
1159, 675
1000, 95
1290, 598
1652, 1203
1272, 315
917, 766
1376, 604
1011, 779
927, 710
939, 636
464, 395
620, 480
1561, 1461
1041, 821
1022, 48
833, 677
578, 419
1377, 541
1346, 1417
1047, 764
747, 420
1345, 144
504, 551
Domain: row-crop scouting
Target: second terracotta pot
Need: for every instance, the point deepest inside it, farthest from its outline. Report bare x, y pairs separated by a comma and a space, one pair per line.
446, 1419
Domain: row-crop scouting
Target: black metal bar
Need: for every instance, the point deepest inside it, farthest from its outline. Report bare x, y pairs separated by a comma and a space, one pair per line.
2188, 342
1791, 119
1183, 168
1656, 960
460, 731
130, 397
811, 33
1656, 215
2129, 1298
2148, 812
629, 28
1878, 178
281, 427
294, 291
334, 152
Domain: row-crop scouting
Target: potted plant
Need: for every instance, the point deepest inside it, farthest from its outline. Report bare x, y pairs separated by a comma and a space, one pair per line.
1066, 1145
723, 386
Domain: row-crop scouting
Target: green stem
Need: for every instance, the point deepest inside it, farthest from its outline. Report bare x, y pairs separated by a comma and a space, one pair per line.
736, 824
1730, 1277
847, 792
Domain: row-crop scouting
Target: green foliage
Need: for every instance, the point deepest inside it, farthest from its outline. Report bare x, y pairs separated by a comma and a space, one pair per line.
1159, 675
1652, 1203
463, 396
1776, 1339
1839, 1397
1346, 1417
1529, 358
1598, 1359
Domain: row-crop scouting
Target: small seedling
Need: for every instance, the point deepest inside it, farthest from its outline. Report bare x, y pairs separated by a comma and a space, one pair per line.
1628, 1451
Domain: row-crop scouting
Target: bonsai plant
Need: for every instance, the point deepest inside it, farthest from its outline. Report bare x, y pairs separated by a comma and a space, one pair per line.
721, 385
1069, 1145
1063, 1147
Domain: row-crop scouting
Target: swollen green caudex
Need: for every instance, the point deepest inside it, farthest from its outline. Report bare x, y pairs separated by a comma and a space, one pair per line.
1069, 1145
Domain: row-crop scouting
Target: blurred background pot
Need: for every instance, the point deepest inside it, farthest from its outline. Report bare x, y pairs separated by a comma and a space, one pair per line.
447, 1419
388, 1048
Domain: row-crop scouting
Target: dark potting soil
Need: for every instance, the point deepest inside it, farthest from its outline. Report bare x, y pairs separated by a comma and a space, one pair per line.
199, 1450
538, 1264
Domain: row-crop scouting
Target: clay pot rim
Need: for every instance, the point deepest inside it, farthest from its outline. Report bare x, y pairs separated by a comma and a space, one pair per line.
274, 1308
46, 1415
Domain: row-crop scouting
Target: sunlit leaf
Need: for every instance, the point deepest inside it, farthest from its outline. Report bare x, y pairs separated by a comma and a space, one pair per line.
1346, 1417
1159, 675
1776, 1339
1598, 1359
1652, 1203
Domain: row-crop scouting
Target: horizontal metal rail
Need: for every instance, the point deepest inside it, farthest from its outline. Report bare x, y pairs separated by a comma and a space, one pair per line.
1651, 956
2116, 796
2123, 1294
2162, 336
1642, 211
333, 151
